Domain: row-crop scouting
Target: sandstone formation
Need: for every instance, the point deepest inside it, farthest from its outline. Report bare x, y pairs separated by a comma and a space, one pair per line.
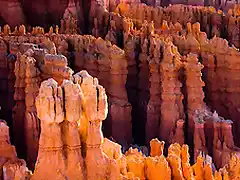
195, 95
47, 13
31, 124
44, 65
70, 19
212, 22
108, 63
67, 145
137, 165
19, 107
166, 74
170, 87
148, 92
11, 166
195, 41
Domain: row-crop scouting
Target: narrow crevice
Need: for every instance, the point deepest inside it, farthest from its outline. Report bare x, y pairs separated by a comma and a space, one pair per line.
86, 12
71, 55
54, 97
64, 103
215, 64
139, 105
97, 90
120, 42
107, 124
188, 135
204, 79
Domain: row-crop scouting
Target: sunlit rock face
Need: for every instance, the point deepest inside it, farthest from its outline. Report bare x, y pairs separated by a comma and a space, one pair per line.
71, 135
46, 13
147, 76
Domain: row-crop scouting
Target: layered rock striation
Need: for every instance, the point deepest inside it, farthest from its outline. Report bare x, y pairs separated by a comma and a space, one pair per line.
154, 86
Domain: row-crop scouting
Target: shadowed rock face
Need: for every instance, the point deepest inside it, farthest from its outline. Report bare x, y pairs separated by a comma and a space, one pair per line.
42, 12
11, 12
35, 13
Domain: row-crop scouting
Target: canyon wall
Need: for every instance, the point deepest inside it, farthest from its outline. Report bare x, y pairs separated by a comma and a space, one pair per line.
95, 55
164, 71
150, 91
188, 38
46, 13
170, 80
71, 116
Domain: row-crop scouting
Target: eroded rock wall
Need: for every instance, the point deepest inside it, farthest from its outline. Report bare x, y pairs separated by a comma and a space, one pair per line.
160, 61
114, 165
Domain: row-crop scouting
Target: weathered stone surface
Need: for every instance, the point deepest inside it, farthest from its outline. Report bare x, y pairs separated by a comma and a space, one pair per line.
154, 86
156, 147
50, 151
108, 63
11, 166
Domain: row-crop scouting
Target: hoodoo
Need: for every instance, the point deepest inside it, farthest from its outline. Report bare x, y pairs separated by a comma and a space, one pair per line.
119, 90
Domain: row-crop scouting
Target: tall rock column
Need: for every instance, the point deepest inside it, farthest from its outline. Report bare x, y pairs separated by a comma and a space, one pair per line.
19, 108
120, 108
72, 142
194, 90
169, 78
94, 106
229, 147
32, 126
51, 161
112, 35
186, 167
103, 60
220, 92
153, 111
227, 142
